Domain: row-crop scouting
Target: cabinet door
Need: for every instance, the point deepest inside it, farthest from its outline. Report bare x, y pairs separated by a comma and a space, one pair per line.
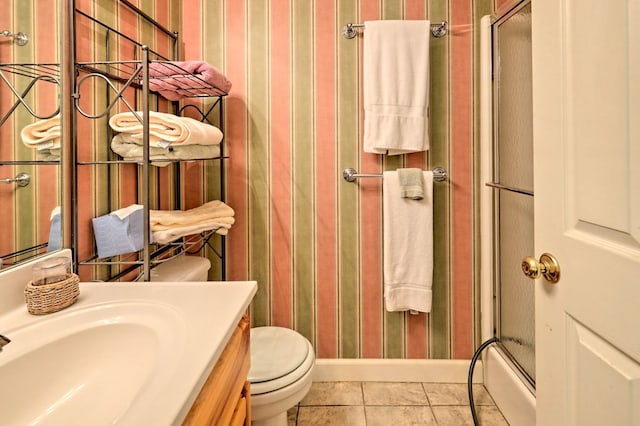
222, 393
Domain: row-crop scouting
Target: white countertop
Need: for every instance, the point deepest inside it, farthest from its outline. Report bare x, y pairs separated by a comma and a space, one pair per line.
187, 326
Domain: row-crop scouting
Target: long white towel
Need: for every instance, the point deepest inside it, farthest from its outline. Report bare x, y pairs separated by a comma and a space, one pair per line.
408, 246
167, 129
396, 86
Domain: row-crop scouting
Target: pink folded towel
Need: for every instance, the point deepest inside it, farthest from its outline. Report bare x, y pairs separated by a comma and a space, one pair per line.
178, 80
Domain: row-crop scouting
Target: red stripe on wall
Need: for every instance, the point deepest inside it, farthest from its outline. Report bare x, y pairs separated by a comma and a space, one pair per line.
327, 340
371, 234
415, 9
236, 138
461, 55
6, 149
281, 272
192, 173
162, 16
192, 31
416, 324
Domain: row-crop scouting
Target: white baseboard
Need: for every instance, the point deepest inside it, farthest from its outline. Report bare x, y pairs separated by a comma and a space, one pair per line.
395, 370
515, 400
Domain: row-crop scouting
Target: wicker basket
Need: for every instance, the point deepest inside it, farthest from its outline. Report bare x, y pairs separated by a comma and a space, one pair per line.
47, 298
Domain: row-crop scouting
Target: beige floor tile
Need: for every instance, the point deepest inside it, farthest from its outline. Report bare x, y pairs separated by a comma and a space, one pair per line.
456, 394
490, 416
334, 393
331, 416
410, 415
453, 415
292, 416
387, 393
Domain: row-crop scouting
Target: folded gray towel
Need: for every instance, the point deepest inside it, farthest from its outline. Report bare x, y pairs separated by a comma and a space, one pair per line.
411, 183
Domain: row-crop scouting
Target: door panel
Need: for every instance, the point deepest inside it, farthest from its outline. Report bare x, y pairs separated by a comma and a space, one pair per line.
589, 352
598, 91
586, 93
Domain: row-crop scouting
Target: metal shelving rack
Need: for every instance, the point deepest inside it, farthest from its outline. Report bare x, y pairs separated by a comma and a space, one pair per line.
120, 77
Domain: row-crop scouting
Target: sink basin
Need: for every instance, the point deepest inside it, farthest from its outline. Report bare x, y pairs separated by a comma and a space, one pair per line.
57, 367
129, 353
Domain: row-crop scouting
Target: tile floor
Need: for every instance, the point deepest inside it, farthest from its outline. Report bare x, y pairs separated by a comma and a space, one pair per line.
398, 404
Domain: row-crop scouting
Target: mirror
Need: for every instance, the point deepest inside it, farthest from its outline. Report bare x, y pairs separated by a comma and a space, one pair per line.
30, 130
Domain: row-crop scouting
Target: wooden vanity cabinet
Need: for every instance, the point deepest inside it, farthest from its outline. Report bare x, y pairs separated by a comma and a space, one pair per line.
225, 398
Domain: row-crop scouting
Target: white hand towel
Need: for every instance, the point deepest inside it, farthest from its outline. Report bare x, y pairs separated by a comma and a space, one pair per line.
408, 246
411, 183
396, 86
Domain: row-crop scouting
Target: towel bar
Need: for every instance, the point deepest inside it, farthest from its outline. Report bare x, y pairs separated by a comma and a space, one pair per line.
437, 30
351, 174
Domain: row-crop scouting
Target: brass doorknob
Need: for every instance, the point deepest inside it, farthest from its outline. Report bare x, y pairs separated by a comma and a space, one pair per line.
548, 267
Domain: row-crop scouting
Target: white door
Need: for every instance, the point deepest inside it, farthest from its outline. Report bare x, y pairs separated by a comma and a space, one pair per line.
586, 95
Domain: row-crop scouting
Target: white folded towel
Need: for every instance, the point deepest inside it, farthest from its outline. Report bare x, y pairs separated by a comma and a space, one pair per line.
129, 148
220, 226
43, 134
408, 246
396, 86
169, 225
165, 219
167, 129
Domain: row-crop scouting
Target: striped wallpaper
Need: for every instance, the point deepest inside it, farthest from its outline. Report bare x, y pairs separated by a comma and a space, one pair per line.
293, 123
26, 211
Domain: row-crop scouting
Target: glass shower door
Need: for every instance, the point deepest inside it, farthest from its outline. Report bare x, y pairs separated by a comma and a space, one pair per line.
513, 183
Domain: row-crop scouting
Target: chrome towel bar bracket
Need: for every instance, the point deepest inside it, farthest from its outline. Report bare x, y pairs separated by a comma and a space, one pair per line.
351, 174
437, 30
20, 38
21, 179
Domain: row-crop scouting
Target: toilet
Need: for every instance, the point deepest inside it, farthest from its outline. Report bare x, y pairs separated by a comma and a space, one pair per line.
282, 360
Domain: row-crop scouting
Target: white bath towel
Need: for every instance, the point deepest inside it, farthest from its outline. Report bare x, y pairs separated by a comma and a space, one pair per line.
396, 86
129, 148
408, 246
167, 129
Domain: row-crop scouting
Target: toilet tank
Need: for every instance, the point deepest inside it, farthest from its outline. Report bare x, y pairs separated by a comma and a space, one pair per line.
182, 268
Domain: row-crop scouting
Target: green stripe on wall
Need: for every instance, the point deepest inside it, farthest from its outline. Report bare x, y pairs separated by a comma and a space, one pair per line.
258, 104
213, 34
348, 134
303, 165
439, 156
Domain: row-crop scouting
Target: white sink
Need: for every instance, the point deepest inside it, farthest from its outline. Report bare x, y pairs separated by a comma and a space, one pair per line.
125, 353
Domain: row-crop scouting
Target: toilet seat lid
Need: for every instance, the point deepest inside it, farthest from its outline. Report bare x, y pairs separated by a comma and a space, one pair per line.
275, 352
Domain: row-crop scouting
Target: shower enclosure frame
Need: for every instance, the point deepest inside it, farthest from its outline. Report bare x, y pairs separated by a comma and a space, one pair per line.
508, 384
